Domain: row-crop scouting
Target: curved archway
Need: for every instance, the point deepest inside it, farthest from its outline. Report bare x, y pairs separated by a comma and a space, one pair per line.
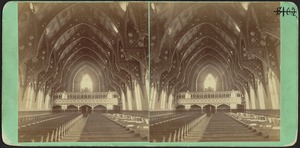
72, 108
223, 108
232, 25
205, 66
94, 69
180, 108
195, 108
225, 52
85, 109
209, 108
100, 108
56, 109
209, 79
80, 9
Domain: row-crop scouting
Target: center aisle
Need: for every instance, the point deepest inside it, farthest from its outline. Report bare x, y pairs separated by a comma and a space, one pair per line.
197, 132
100, 129
74, 133
223, 128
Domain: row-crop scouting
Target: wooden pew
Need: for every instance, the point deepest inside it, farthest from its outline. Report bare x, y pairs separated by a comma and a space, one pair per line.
51, 130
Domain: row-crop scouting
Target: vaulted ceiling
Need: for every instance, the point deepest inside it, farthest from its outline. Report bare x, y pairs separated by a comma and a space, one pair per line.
238, 39
54, 38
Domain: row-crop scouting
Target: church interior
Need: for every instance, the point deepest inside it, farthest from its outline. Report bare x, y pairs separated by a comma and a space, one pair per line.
139, 71
83, 59
214, 72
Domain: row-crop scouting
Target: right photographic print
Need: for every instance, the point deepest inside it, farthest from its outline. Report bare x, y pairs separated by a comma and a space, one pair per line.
214, 72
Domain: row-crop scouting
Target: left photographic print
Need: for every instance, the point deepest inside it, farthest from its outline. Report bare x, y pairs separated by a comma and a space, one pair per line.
83, 73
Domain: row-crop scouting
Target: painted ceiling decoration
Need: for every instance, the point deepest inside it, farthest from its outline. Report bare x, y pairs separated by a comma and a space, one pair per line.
240, 40
235, 42
110, 37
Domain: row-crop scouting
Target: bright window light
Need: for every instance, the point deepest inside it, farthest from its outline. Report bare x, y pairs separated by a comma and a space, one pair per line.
210, 83
86, 83
153, 6
245, 5
123, 5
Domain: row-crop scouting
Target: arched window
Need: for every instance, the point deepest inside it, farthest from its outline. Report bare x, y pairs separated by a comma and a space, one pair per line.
210, 83
86, 83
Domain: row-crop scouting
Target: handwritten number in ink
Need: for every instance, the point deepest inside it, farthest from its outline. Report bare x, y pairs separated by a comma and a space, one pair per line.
289, 11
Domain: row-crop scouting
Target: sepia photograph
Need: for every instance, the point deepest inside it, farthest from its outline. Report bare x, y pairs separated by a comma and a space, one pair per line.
148, 72
214, 72
83, 72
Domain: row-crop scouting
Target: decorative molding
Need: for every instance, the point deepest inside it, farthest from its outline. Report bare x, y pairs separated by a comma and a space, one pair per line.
90, 102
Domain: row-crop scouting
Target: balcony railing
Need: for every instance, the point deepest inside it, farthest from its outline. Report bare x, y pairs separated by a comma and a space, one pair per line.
206, 95
85, 95
104, 101
234, 100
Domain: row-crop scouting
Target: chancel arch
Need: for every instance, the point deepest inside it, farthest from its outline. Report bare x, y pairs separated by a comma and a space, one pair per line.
91, 67
213, 65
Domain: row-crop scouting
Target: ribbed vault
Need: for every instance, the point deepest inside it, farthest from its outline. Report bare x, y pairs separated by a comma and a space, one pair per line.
235, 42
104, 39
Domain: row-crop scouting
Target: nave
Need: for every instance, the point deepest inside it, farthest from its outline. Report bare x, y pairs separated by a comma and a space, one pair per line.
219, 126
100, 128
74, 127
222, 59
83, 71
203, 59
